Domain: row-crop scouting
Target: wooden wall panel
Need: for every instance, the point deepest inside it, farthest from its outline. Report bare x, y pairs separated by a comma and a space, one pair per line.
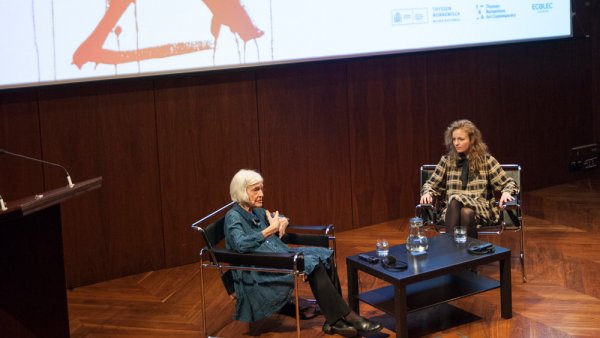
586, 29
594, 31
207, 131
304, 146
522, 97
388, 115
461, 84
542, 90
107, 130
20, 133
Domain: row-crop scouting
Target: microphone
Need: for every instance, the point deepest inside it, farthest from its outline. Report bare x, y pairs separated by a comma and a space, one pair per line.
69, 182
2, 205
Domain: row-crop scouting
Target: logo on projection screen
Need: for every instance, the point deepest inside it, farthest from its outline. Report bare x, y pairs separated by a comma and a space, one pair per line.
542, 7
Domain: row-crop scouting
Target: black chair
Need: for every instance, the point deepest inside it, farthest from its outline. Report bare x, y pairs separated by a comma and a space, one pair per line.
511, 218
212, 256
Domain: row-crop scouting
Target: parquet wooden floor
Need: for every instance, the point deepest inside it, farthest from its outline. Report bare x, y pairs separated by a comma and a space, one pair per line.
561, 298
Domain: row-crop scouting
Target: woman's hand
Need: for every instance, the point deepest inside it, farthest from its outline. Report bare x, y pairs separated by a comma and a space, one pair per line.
274, 224
506, 197
283, 224
426, 199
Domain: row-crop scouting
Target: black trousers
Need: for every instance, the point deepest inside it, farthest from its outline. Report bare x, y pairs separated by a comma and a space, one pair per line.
325, 286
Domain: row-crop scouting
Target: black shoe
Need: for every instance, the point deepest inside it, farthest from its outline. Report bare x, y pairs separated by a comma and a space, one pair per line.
365, 327
306, 311
340, 327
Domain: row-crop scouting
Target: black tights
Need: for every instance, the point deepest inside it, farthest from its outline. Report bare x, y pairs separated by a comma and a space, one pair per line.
457, 214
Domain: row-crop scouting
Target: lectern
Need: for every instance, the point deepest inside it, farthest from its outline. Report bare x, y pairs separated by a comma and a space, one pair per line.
33, 297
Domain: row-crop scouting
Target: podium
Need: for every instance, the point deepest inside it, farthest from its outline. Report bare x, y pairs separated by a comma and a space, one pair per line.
33, 296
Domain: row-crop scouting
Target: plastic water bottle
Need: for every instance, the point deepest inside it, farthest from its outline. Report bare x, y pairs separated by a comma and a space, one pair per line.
416, 242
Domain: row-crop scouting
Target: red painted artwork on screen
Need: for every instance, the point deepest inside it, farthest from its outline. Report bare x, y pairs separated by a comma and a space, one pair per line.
228, 13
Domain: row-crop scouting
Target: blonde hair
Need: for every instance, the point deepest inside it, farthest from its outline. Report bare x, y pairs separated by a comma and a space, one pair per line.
240, 181
478, 149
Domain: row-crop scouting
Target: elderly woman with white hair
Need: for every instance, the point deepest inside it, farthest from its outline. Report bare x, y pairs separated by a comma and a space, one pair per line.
250, 228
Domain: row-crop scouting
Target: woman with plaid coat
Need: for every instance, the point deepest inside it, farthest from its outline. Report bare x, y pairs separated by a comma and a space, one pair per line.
467, 176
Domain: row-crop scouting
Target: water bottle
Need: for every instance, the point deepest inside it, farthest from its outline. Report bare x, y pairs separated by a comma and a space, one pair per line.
416, 243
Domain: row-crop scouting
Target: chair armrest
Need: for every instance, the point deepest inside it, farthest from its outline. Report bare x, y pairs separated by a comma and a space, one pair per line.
510, 205
510, 209
428, 208
306, 239
260, 260
325, 229
429, 213
313, 238
424, 206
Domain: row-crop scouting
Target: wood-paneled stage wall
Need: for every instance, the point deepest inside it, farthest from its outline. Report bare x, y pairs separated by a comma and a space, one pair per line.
337, 141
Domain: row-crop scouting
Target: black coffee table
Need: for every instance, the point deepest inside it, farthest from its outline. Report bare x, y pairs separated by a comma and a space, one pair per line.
439, 276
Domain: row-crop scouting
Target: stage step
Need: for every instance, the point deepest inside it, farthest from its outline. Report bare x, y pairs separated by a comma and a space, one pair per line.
576, 204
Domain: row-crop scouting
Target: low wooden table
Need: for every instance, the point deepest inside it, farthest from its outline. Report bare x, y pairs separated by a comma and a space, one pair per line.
433, 278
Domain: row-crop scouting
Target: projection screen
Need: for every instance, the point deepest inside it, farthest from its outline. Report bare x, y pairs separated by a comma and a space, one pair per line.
46, 42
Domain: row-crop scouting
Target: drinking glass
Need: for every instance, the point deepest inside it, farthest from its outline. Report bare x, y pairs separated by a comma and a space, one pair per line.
460, 234
382, 247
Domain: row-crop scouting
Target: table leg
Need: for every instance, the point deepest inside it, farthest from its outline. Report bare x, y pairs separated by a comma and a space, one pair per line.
400, 311
505, 288
353, 288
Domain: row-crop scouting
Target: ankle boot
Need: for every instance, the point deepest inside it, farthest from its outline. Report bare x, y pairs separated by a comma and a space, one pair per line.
364, 326
340, 327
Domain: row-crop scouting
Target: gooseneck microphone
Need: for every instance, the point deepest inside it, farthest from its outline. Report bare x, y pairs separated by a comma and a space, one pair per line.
2, 205
69, 182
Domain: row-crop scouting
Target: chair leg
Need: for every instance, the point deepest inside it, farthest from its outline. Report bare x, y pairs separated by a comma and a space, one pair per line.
204, 330
296, 276
522, 254
333, 247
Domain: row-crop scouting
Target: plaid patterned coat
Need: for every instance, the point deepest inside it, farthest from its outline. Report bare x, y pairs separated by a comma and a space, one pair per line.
479, 194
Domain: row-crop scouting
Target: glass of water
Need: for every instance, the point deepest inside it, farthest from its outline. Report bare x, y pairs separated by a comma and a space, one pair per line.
460, 234
382, 247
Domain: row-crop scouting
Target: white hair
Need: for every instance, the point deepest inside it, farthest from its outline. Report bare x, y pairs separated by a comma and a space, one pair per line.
240, 181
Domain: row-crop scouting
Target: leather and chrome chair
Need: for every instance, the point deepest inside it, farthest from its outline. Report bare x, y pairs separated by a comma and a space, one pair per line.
511, 218
215, 256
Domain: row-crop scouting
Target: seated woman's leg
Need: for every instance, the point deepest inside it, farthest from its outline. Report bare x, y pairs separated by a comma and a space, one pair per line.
329, 299
339, 318
453, 215
467, 218
334, 277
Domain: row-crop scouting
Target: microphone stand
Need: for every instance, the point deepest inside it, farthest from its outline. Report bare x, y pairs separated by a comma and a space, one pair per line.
69, 181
